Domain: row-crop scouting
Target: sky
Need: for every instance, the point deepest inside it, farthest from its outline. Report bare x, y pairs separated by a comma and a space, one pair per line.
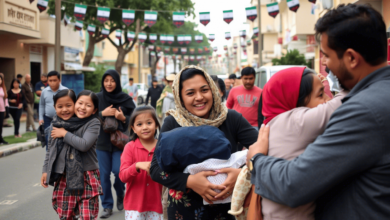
217, 25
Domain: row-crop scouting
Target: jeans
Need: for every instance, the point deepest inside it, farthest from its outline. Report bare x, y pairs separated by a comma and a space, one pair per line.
16, 114
110, 162
46, 124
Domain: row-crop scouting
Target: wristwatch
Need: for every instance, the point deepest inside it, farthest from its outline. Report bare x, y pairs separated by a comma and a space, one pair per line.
252, 161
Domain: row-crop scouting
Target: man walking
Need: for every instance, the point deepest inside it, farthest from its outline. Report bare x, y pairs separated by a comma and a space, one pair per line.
39, 86
154, 94
245, 98
20, 77
28, 92
132, 90
228, 85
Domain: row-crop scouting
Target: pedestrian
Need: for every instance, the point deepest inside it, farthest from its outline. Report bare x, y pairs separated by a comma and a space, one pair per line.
232, 78
135, 165
245, 98
46, 104
16, 100
132, 90
221, 88
154, 94
73, 134
115, 104
198, 103
346, 170
3, 105
166, 100
39, 86
19, 77
28, 93
228, 85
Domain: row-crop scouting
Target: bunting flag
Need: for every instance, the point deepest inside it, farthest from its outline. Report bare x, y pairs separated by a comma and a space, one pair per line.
103, 14
66, 19
204, 18
313, 1
251, 13
235, 46
79, 25
200, 50
158, 49
192, 50
198, 58
180, 39
206, 49
142, 37
192, 58
118, 34
211, 37
42, 5
167, 49
183, 50
152, 54
152, 38
170, 38
175, 49
31, 1
210, 57
163, 38
178, 18
256, 31
130, 35
105, 32
179, 57
215, 49
80, 11
228, 16
199, 38
243, 44
234, 52
128, 16
243, 34
151, 47
225, 47
255, 41
293, 5
173, 56
185, 58
158, 55
150, 18
248, 43
228, 36
91, 29
273, 9
187, 39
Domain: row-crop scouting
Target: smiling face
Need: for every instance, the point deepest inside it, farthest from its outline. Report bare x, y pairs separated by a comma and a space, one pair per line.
109, 83
64, 108
197, 96
144, 126
318, 95
84, 107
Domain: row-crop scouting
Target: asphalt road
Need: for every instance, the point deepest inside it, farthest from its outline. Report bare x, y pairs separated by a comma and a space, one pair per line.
21, 196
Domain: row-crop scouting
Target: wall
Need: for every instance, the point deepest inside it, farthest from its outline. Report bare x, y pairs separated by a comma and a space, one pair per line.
19, 51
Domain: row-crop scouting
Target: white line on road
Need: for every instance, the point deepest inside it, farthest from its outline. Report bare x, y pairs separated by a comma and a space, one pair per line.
8, 202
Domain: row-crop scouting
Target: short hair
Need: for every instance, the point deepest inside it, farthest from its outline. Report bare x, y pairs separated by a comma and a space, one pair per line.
248, 71
63, 93
19, 76
12, 83
54, 73
358, 27
131, 79
44, 74
232, 76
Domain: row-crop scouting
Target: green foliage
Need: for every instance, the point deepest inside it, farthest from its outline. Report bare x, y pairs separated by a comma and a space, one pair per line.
293, 57
92, 79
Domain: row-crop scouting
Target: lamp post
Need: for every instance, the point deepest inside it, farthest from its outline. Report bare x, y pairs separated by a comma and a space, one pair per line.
260, 45
57, 42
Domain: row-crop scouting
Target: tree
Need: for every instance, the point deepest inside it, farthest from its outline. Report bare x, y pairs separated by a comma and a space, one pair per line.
293, 57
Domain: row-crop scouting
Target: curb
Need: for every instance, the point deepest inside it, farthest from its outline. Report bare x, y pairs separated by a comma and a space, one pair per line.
19, 148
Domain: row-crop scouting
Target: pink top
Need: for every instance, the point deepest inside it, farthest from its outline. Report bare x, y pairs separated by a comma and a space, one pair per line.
3, 103
142, 193
245, 102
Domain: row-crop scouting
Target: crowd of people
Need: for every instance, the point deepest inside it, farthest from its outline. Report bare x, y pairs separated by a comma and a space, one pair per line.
308, 153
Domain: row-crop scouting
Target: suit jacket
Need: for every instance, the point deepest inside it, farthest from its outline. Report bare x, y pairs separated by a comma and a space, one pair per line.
28, 92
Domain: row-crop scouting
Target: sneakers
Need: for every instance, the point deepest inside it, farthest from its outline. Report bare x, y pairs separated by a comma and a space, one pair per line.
119, 203
106, 213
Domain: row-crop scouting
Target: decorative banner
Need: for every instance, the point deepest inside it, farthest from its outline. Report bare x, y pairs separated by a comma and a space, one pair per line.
128, 16
312, 1
103, 14
178, 18
186, 58
167, 49
79, 11
187, 39
204, 18
163, 38
235, 52
228, 16
79, 25
170, 39
173, 56
192, 50
42, 5
152, 54
235, 46
243, 34
256, 31
180, 39
206, 49
66, 19
251, 13
179, 57
158, 55
106, 32
210, 57
199, 38
151, 47
31, 1
273, 9
198, 58
158, 48
91, 29
175, 49
227, 36
130, 35
152, 38
192, 58
293, 5
255, 40
215, 49
211, 37
248, 42
200, 50
118, 34
226, 54
225, 47
183, 50
142, 37
150, 18
243, 44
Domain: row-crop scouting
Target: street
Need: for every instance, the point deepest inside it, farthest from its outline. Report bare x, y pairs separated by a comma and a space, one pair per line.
21, 195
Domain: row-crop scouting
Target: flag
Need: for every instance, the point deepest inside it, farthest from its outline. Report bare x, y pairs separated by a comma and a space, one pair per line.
151, 47
215, 49
79, 25
158, 55
192, 50
173, 56
167, 49
235, 46
187, 39
228, 16
312, 1
163, 38
200, 50
179, 57
152, 54
210, 57
256, 31
105, 32
170, 38
206, 49
80, 11
192, 58
142, 37
234, 52
185, 58
158, 48
211, 37
225, 47
243, 34
180, 39
248, 42
199, 38
273, 9
103, 14
204, 18
91, 29
178, 18
175, 49
251, 13
198, 58
152, 38
150, 18
313, 8
66, 19
227, 35
128, 16
118, 34
42, 5
293, 5
183, 50
130, 35
243, 44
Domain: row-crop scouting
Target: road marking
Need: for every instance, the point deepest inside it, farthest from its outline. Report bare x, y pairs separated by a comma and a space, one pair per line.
37, 184
8, 202
12, 195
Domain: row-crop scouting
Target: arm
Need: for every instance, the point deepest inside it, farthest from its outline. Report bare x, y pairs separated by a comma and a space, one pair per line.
230, 101
147, 97
128, 170
340, 153
89, 138
42, 106
46, 161
245, 133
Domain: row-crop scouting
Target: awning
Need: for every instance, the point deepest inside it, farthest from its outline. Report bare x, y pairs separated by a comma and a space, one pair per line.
78, 67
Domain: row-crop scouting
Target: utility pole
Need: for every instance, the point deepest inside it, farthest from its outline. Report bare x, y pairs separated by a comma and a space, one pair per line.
139, 52
57, 43
260, 46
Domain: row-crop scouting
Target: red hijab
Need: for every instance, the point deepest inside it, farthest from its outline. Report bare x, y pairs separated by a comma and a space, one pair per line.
281, 92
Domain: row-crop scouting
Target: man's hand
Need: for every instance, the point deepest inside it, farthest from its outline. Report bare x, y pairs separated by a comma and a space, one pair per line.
40, 122
261, 145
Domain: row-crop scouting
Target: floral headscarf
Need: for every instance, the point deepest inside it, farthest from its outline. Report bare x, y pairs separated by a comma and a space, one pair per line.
184, 118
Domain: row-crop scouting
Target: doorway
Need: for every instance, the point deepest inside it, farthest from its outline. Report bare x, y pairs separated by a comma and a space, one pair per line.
35, 69
7, 67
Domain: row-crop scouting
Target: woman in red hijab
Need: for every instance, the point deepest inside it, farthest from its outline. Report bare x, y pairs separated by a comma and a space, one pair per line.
297, 109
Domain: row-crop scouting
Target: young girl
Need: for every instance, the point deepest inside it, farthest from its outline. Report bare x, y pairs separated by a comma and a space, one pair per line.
143, 196
71, 164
